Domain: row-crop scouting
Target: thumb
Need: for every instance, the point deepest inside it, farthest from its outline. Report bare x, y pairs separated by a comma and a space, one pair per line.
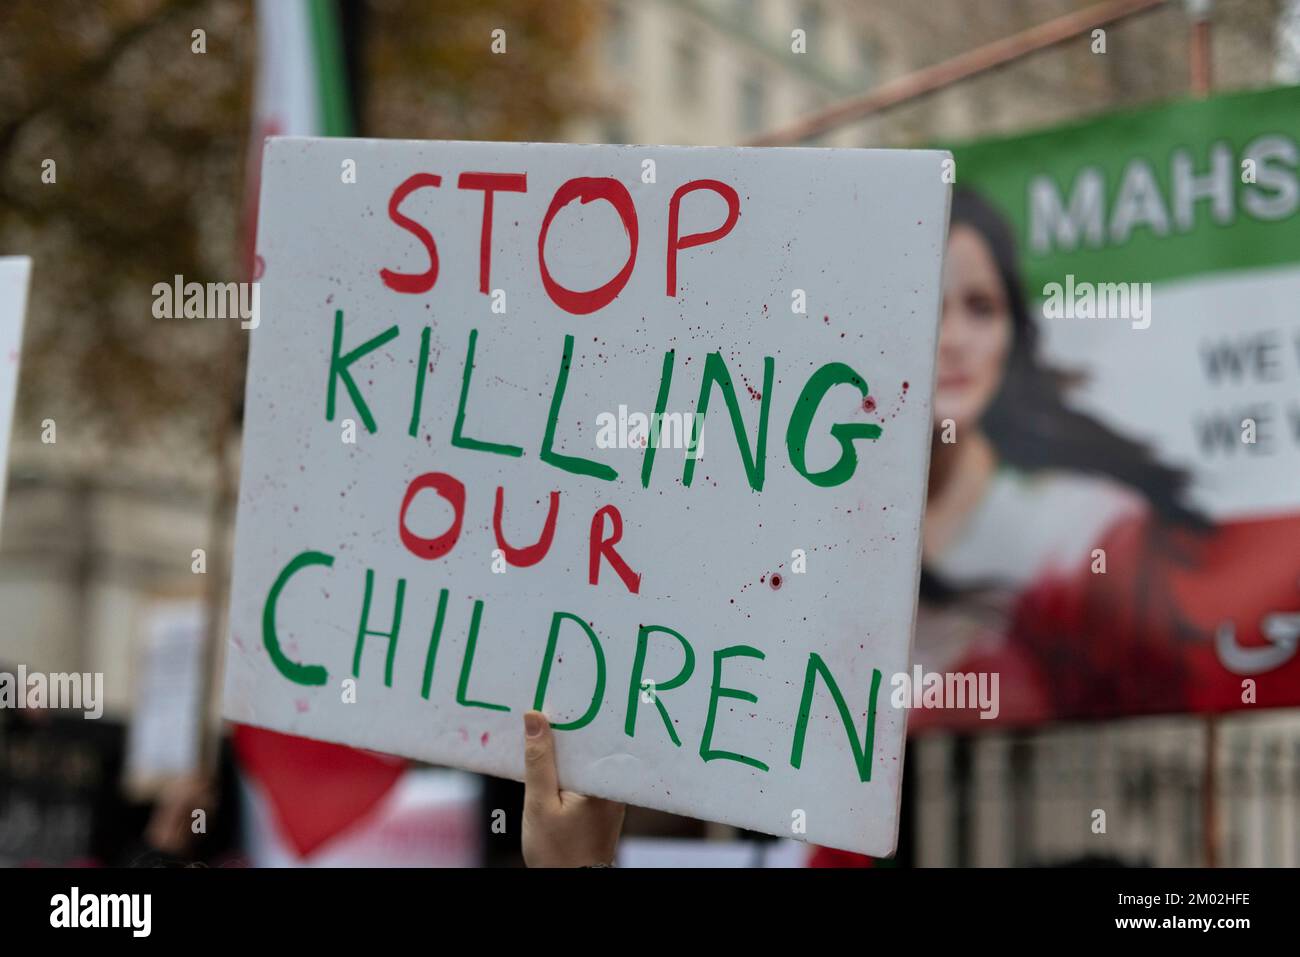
541, 782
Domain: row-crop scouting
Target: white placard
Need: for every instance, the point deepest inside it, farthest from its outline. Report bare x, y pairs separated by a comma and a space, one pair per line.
15, 272
163, 740
683, 852
738, 592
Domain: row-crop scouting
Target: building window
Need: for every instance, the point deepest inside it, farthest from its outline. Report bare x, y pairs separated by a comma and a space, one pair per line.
810, 21
686, 71
751, 104
866, 59
618, 38
614, 130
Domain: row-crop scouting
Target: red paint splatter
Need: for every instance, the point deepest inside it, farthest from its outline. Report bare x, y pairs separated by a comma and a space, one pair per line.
776, 581
868, 404
483, 740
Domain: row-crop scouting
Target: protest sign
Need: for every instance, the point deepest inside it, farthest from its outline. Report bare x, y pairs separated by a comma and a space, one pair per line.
14, 273
636, 435
1135, 550
163, 738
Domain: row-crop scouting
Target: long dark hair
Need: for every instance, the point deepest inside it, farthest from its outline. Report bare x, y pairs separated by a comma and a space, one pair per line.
1028, 421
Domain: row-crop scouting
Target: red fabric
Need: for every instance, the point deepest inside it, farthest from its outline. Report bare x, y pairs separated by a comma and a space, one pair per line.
1140, 639
829, 857
316, 790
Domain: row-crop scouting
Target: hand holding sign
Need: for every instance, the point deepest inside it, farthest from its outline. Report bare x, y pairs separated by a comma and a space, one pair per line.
561, 828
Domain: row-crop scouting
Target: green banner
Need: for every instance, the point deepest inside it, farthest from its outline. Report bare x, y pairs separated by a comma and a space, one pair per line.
1190, 188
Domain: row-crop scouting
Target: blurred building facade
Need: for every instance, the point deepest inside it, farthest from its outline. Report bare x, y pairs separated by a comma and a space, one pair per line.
718, 72
700, 72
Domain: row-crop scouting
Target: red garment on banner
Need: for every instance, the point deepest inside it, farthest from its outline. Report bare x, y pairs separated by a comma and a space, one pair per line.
317, 790
1144, 637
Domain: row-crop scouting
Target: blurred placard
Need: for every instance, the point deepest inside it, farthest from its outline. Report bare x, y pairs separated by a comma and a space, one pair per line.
15, 272
163, 741
637, 435
680, 852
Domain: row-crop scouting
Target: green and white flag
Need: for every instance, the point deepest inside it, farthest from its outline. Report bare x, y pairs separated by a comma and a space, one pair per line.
301, 87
